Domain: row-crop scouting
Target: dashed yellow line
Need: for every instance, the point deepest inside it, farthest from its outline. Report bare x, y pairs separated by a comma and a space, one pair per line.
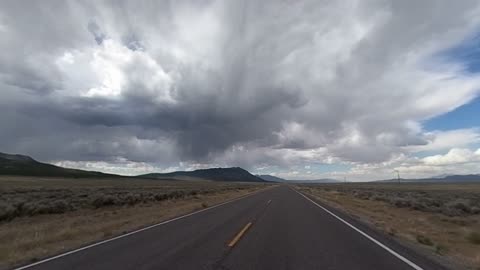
239, 235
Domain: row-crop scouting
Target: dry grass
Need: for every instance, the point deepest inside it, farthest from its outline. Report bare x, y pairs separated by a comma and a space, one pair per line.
93, 210
30, 197
439, 218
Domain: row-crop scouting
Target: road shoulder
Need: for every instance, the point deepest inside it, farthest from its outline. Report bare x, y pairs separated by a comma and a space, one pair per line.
424, 259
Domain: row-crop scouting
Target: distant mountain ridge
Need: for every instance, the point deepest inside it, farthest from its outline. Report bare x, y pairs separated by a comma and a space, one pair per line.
16, 157
443, 178
234, 174
315, 181
26, 166
271, 178
439, 179
21, 165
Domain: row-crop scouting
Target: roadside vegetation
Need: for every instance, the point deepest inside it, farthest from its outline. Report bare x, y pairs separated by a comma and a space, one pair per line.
44, 216
440, 219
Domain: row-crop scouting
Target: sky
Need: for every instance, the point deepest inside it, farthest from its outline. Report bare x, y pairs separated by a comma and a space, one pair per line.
297, 89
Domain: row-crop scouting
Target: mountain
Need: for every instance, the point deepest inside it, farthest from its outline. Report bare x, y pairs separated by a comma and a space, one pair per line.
455, 178
441, 175
27, 166
271, 178
462, 178
234, 174
315, 181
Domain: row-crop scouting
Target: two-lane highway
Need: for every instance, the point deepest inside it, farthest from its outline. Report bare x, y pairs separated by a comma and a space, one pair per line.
278, 228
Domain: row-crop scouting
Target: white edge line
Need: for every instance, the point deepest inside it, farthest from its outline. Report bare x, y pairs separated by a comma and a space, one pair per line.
133, 232
405, 260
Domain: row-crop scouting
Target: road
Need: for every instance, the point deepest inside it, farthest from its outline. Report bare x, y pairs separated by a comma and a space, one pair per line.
273, 229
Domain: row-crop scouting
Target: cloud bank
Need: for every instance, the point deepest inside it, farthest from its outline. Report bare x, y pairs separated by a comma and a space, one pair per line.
186, 84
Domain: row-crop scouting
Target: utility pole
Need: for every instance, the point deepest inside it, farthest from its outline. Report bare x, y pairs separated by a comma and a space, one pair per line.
398, 175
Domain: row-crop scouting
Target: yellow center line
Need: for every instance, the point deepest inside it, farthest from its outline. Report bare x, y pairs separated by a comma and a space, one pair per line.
239, 235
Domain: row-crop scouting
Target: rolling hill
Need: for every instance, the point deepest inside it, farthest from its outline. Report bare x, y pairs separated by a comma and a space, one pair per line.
21, 165
27, 166
234, 174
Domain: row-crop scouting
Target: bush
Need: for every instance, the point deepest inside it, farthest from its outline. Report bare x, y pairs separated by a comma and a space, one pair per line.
391, 231
461, 205
59, 207
44, 207
441, 249
364, 195
161, 197
419, 206
132, 199
176, 194
45, 200
103, 200
433, 202
451, 212
7, 211
400, 202
424, 240
474, 238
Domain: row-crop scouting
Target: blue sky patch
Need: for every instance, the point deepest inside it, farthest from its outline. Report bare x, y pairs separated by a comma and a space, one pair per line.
468, 53
466, 116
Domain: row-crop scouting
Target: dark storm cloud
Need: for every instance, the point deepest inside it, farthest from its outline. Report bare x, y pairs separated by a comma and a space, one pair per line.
199, 126
246, 82
96, 32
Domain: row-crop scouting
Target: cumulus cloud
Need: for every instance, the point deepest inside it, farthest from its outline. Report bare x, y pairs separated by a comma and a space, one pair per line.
445, 140
269, 83
454, 156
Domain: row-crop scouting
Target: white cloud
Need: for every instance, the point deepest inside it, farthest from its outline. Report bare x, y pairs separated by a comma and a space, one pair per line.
453, 157
454, 161
444, 140
120, 167
111, 70
246, 83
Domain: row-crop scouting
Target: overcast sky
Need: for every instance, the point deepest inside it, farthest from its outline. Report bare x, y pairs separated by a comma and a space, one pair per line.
299, 89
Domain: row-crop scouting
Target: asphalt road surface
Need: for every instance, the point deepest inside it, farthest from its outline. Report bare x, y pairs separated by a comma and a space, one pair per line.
274, 229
